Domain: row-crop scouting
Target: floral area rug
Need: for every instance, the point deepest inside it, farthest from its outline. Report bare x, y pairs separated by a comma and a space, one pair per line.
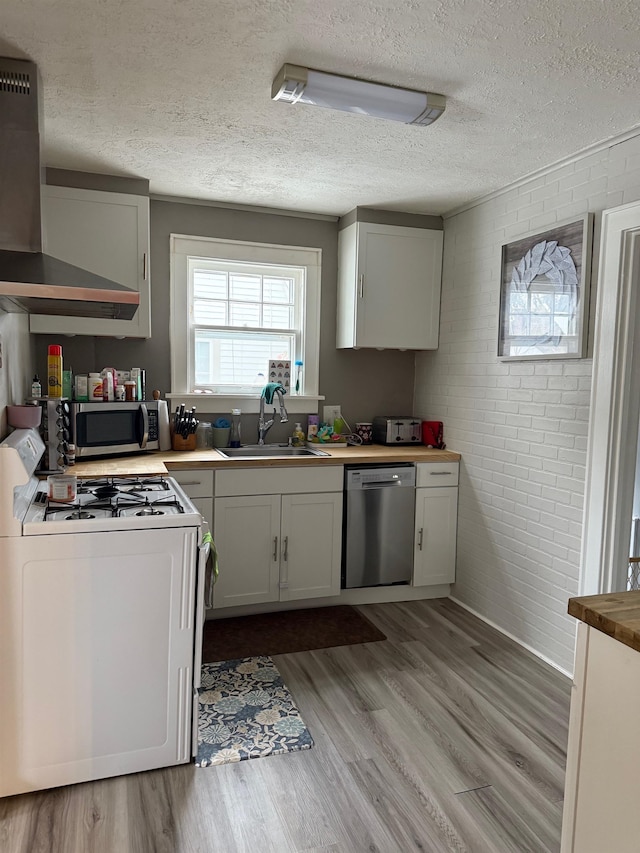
246, 712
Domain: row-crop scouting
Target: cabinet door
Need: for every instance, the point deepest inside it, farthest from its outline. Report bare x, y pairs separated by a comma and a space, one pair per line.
435, 543
398, 287
311, 546
246, 531
105, 233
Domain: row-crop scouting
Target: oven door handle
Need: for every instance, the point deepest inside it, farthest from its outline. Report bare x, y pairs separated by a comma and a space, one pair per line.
143, 425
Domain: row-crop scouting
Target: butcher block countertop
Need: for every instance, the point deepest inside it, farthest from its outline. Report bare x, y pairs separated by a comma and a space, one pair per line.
616, 614
164, 462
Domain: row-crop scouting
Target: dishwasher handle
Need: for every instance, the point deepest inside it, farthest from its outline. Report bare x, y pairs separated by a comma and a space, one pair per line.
382, 484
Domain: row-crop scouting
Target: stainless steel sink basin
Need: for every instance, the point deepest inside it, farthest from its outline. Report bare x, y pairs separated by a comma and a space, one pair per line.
268, 451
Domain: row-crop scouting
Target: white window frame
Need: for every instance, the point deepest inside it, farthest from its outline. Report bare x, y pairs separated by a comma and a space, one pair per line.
182, 247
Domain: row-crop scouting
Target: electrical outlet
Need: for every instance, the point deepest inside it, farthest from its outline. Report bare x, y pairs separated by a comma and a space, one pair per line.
330, 413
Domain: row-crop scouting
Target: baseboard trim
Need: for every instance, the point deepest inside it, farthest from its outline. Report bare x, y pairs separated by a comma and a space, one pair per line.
515, 639
364, 595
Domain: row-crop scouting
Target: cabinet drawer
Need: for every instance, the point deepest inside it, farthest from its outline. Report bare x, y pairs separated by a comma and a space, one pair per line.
280, 481
437, 474
196, 483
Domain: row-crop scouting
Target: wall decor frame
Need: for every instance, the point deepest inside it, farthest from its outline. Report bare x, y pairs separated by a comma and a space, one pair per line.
544, 293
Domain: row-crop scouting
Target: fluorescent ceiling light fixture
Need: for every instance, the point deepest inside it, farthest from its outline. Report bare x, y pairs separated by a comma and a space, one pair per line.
297, 85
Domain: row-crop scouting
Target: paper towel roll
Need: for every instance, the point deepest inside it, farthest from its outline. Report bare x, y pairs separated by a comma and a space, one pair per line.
164, 433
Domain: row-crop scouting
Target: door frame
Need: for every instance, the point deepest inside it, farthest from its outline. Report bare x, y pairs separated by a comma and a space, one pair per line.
614, 413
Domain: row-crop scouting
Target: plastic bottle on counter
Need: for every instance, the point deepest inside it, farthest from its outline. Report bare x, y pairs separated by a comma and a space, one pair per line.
95, 387
81, 391
67, 383
235, 437
312, 427
107, 385
36, 387
54, 371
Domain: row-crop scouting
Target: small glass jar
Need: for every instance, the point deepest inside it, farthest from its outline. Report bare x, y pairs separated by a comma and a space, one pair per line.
235, 437
204, 436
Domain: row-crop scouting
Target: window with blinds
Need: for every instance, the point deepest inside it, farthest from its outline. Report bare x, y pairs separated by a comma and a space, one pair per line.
242, 316
235, 306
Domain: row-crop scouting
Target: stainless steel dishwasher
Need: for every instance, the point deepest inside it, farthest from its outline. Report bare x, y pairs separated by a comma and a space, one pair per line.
378, 525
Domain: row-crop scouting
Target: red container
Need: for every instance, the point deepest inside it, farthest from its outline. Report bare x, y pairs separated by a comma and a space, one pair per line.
432, 434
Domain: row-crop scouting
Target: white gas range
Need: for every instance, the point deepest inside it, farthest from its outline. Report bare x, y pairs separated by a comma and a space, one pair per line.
111, 503
101, 615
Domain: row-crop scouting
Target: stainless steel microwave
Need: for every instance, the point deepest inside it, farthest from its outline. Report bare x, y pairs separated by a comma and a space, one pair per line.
109, 429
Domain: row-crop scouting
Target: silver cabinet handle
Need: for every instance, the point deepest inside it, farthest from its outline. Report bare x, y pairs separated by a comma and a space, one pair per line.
361, 284
420, 534
284, 571
440, 473
190, 483
144, 266
275, 548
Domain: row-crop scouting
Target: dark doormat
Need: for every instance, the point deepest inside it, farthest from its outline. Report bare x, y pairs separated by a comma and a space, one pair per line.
285, 632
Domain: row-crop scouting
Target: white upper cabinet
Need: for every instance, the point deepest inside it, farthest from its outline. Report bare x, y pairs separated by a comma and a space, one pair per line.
389, 280
107, 234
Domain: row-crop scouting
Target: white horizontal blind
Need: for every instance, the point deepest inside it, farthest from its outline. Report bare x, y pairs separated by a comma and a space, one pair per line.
242, 316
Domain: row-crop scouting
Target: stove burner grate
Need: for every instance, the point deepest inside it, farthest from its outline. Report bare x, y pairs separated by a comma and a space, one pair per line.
78, 514
156, 507
104, 487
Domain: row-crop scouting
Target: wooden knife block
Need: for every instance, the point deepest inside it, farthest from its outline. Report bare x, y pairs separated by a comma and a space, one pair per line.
180, 443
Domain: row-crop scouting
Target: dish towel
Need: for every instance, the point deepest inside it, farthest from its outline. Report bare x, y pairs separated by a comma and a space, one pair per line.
269, 390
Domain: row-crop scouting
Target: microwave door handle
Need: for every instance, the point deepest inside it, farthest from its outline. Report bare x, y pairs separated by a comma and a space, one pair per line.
143, 423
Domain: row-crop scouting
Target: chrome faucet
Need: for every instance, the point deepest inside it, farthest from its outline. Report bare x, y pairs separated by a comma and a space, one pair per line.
265, 426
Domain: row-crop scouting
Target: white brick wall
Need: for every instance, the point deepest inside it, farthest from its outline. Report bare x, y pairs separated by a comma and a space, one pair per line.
521, 427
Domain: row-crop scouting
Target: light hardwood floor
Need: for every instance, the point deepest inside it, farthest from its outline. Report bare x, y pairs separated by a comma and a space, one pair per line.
445, 737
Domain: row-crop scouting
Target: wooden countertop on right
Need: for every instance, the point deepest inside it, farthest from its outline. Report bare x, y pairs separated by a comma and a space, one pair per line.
616, 614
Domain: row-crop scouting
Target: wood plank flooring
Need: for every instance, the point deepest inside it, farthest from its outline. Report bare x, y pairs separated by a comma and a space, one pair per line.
444, 737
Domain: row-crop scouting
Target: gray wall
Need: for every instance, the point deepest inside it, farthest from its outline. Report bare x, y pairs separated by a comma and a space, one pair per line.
364, 382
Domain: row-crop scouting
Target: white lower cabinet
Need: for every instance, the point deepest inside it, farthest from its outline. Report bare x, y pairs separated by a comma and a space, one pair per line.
198, 486
278, 534
436, 524
311, 546
600, 800
277, 547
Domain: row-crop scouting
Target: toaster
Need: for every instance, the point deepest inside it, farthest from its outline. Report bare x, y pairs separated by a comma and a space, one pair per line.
398, 429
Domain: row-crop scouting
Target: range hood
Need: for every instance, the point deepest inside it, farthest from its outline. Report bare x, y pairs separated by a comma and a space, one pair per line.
31, 281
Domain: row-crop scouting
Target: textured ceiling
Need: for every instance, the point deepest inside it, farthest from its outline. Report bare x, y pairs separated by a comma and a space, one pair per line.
178, 91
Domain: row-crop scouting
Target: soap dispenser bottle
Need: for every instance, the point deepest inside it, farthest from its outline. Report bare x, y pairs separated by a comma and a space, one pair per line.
297, 439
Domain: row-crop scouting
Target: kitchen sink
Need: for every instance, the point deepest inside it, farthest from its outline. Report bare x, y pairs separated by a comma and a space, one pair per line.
268, 451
